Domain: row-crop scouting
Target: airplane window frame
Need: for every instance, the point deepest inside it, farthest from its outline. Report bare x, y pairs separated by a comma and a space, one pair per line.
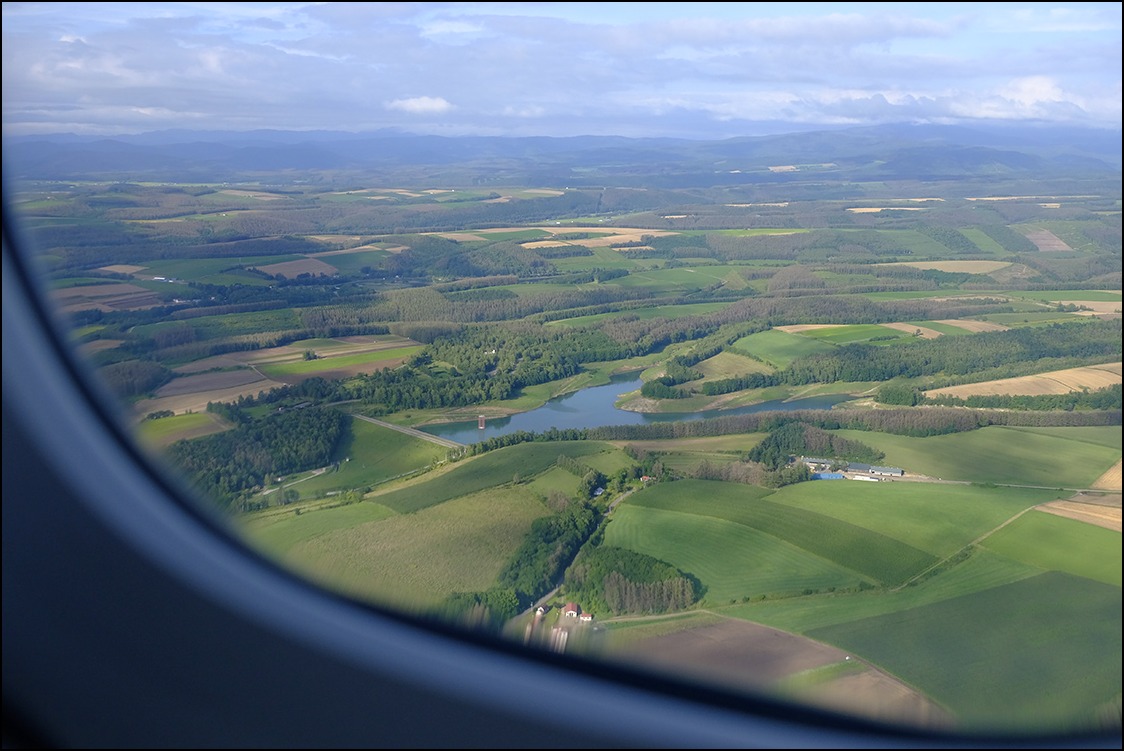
108, 564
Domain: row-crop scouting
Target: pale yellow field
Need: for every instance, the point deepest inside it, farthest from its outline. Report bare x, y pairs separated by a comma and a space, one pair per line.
1096, 307
341, 346
546, 244
293, 269
910, 328
969, 267
461, 236
973, 326
1110, 480
796, 328
1108, 517
104, 297
252, 194
1047, 241
353, 239
346, 251
197, 402
875, 210
122, 268
1092, 377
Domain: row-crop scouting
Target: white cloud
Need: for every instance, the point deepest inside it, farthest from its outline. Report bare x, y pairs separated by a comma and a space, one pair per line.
421, 105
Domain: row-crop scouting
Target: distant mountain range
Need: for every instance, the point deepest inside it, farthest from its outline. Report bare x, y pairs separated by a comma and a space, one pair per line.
885, 152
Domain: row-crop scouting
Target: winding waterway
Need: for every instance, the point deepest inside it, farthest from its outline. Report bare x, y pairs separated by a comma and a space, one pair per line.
595, 407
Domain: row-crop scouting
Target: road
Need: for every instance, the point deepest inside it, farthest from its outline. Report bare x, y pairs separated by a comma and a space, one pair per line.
414, 432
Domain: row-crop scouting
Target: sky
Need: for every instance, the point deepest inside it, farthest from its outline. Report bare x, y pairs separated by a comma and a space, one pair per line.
686, 70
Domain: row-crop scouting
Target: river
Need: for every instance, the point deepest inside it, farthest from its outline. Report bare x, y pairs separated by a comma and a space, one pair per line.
595, 407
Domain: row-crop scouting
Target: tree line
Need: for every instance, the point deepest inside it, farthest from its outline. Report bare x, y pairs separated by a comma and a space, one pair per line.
224, 466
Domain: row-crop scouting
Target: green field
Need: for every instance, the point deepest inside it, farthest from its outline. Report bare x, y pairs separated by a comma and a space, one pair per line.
730, 365
865, 552
678, 279
983, 241
1030, 318
488, 470
946, 329
167, 430
276, 533
733, 561
232, 324
321, 364
1063, 295
205, 269
858, 333
1040, 653
415, 560
370, 456
1000, 455
1108, 437
981, 571
780, 348
1054, 543
554, 480
939, 519
354, 263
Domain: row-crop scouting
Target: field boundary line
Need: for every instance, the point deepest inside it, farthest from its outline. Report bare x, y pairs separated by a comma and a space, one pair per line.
970, 545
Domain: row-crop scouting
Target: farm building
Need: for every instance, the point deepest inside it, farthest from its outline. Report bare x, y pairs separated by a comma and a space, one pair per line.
815, 463
827, 475
867, 479
571, 610
875, 470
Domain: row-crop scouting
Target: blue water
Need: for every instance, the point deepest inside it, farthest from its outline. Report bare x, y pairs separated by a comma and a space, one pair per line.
594, 408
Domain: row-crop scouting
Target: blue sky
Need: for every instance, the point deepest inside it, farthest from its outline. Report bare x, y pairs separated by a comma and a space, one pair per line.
695, 70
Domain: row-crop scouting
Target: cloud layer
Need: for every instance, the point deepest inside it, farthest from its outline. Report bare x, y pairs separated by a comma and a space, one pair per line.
700, 70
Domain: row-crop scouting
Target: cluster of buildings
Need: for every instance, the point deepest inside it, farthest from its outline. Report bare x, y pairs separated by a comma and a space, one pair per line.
833, 469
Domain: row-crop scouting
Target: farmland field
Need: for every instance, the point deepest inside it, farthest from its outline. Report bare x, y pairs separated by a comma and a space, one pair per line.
491, 469
1054, 543
998, 454
779, 348
939, 519
733, 561
730, 365
365, 362
372, 455
1092, 377
865, 552
970, 267
166, 430
390, 560
852, 334
952, 595
983, 680
749, 656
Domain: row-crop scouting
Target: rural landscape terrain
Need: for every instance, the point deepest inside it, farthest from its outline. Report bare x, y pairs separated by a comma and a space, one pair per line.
830, 417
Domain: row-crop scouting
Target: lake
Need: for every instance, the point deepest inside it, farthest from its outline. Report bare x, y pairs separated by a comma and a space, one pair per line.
595, 407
